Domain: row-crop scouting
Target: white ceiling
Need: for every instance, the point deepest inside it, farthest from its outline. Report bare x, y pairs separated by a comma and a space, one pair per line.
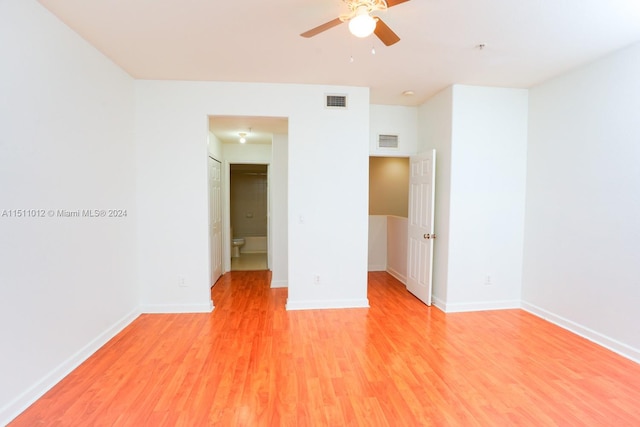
527, 41
259, 130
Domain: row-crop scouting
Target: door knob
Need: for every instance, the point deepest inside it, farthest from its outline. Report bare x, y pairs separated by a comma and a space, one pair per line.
429, 236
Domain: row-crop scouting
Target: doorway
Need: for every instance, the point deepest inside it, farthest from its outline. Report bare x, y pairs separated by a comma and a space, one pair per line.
401, 222
266, 144
388, 213
249, 219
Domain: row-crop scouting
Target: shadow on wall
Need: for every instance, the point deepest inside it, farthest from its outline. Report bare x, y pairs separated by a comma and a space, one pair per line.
389, 186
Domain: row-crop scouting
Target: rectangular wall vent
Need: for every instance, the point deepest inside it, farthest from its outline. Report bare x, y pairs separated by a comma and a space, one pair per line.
336, 101
387, 141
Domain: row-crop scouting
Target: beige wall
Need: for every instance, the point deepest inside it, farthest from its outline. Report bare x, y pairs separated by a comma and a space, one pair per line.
389, 186
249, 202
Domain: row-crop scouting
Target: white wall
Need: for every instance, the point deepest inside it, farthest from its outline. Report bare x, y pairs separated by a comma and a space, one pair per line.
394, 120
214, 147
377, 256
328, 171
388, 245
279, 250
582, 234
328, 199
480, 137
434, 130
487, 200
67, 285
247, 153
397, 246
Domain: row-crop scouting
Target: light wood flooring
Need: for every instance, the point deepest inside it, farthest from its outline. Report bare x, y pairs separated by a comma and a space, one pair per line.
249, 262
398, 363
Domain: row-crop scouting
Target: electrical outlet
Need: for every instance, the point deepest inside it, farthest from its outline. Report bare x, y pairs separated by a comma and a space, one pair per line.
182, 283
316, 279
488, 281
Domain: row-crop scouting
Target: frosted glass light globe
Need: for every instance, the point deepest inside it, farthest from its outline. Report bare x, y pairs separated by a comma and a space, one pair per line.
362, 25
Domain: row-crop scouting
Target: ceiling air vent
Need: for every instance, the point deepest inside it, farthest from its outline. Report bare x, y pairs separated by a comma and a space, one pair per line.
336, 101
387, 141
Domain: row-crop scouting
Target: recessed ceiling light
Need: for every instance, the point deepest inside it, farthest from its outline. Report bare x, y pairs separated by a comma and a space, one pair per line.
408, 93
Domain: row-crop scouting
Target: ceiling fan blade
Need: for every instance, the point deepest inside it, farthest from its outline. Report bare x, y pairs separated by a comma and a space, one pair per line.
320, 28
395, 2
385, 34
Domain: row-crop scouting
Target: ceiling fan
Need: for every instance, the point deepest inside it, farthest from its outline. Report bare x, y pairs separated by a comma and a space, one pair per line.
361, 22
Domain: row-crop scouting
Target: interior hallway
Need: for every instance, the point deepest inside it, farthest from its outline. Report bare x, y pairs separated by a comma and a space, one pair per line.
252, 363
249, 262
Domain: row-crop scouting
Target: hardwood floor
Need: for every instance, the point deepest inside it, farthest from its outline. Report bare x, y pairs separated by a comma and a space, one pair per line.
398, 363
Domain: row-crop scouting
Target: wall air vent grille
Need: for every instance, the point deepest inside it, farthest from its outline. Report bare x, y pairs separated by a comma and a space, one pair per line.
336, 101
387, 141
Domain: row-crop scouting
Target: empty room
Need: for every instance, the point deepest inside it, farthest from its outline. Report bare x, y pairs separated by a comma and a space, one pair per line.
139, 287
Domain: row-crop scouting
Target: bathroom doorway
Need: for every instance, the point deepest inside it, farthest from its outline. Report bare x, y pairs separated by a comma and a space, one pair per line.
266, 144
249, 216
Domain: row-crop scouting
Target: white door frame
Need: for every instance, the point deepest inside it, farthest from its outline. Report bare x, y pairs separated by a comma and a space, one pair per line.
227, 208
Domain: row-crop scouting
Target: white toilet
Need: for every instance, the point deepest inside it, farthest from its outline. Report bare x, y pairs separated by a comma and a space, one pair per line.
236, 244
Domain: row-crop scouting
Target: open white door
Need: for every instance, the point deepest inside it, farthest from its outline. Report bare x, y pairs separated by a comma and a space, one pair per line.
215, 218
420, 234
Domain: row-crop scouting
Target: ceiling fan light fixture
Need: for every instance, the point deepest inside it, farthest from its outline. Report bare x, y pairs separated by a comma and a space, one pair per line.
363, 24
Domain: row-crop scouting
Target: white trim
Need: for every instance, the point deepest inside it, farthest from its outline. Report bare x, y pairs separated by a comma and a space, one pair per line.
33, 393
376, 267
462, 307
327, 304
439, 303
279, 284
593, 336
397, 275
176, 308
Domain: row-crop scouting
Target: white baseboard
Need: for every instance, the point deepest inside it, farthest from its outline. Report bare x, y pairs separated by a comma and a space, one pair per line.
176, 308
279, 283
26, 399
376, 267
477, 306
439, 303
326, 304
593, 336
401, 277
